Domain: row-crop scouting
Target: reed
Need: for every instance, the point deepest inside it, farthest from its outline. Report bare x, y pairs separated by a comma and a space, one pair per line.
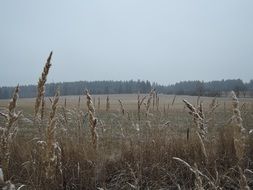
52, 156
92, 120
236, 118
198, 120
41, 86
8, 132
148, 103
139, 103
122, 110
107, 104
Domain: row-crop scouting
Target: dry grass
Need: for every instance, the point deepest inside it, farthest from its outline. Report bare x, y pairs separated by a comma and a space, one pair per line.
8, 133
92, 120
41, 86
144, 149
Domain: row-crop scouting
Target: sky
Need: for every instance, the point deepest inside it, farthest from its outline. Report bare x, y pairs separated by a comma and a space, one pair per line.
164, 41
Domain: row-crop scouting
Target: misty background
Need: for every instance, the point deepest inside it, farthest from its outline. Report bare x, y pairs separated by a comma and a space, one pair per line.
162, 41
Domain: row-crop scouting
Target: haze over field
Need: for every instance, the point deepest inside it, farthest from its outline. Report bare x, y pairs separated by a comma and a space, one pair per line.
162, 41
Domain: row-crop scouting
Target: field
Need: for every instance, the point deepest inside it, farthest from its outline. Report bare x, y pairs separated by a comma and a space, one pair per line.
164, 149
131, 141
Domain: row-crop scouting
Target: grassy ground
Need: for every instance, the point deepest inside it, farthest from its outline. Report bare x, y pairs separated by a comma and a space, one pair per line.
132, 153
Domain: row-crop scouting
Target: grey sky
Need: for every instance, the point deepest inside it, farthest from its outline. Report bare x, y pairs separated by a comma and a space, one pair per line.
158, 40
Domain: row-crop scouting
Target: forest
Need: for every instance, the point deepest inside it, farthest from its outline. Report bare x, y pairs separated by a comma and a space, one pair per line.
195, 88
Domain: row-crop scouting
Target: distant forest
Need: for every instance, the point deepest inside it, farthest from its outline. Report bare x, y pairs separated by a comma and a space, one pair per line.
213, 88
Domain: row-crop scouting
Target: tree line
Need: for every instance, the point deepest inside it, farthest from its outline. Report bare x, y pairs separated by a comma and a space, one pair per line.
212, 88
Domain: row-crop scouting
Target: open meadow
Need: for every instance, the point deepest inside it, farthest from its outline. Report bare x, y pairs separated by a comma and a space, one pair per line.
125, 141
99, 142
133, 95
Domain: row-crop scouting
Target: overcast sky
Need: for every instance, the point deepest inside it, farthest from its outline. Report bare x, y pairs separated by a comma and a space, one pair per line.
158, 40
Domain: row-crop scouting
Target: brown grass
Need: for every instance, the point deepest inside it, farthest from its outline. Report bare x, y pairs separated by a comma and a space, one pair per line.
162, 151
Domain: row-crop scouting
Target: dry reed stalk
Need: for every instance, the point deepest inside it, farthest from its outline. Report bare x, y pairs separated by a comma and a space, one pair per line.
157, 102
198, 120
201, 111
168, 107
90, 104
236, 118
9, 132
139, 103
202, 146
92, 120
79, 114
164, 110
243, 180
173, 101
198, 180
151, 94
198, 176
188, 133
98, 103
224, 107
42, 110
244, 109
51, 145
65, 103
128, 116
79, 103
237, 129
41, 86
121, 107
154, 100
107, 104
213, 103
65, 112
213, 106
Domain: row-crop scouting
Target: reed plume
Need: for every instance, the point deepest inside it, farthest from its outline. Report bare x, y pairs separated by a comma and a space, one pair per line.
8, 132
198, 120
213, 106
121, 107
236, 118
41, 85
237, 128
51, 143
42, 110
92, 120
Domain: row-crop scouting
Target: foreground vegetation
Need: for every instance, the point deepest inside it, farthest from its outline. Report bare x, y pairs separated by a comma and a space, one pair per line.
148, 145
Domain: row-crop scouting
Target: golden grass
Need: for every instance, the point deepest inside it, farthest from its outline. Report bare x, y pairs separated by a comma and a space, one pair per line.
147, 149
8, 133
41, 85
92, 120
